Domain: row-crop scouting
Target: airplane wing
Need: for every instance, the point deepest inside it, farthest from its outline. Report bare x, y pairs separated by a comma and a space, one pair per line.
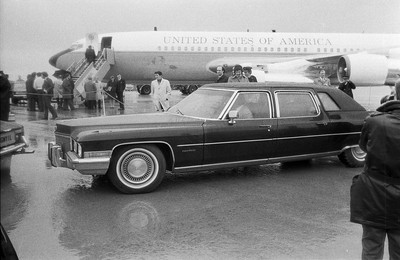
377, 67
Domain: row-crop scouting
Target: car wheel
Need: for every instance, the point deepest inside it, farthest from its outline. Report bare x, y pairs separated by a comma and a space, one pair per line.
353, 157
137, 169
145, 90
191, 89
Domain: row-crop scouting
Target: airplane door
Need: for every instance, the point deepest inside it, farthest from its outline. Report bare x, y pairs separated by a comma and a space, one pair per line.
106, 42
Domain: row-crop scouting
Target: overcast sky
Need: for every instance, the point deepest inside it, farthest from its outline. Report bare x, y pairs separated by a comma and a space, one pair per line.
31, 31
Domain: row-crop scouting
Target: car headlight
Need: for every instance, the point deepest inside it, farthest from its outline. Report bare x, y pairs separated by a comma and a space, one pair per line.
76, 147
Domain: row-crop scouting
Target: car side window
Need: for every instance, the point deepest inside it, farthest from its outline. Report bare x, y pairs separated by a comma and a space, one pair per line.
252, 105
327, 102
295, 104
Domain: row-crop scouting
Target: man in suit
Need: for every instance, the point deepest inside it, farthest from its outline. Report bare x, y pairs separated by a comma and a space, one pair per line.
48, 91
161, 91
90, 55
222, 78
120, 91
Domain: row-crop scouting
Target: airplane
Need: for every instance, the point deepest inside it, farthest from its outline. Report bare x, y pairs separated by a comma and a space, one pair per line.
191, 58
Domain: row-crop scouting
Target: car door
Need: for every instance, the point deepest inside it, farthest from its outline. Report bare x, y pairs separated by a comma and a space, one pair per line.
249, 138
303, 127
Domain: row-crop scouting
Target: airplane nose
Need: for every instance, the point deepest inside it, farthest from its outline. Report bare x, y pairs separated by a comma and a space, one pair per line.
53, 59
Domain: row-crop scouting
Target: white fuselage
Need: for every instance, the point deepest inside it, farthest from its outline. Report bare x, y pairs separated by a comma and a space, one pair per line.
192, 57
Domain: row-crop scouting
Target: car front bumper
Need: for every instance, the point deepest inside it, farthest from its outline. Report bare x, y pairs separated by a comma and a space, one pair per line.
86, 166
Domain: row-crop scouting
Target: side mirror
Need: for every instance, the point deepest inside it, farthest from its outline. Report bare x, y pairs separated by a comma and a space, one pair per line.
232, 115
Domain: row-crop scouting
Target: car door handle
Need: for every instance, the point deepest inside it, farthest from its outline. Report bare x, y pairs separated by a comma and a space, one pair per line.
266, 126
322, 123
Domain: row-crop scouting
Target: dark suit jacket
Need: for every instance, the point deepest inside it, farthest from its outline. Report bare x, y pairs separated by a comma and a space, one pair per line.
222, 79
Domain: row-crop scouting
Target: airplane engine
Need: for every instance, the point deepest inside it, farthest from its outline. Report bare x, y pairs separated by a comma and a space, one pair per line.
364, 69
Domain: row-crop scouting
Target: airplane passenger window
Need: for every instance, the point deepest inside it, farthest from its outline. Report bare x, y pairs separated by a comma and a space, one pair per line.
205, 49
331, 49
172, 48
272, 49
199, 48
298, 50
278, 49
225, 48
325, 50
285, 50
305, 49
239, 49
166, 48
179, 48
192, 48
159, 48
292, 49
245, 49
233, 49
219, 48
351, 49
212, 48
344, 50
318, 50
265, 49
338, 50
252, 49
186, 48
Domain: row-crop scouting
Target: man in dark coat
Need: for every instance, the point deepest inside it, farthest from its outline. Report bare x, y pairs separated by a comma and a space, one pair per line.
222, 78
5, 95
120, 91
346, 86
48, 90
247, 72
67, 92
30, 91
90, 55
375, 194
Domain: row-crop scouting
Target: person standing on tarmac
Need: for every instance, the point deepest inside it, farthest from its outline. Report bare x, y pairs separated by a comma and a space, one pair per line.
120, 91
48, 92
68, 90
247, 73
111, 90
222, 78
90, 90
346, 86
374, 194
38, 85
238, 75
5, 95
161, 91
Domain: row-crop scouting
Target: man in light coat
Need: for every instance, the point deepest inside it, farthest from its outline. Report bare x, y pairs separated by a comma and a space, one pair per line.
161, 91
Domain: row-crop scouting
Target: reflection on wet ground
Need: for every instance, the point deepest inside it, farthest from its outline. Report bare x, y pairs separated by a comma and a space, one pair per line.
277, 211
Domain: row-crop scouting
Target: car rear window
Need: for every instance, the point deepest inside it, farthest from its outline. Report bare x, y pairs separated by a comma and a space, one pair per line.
327, 102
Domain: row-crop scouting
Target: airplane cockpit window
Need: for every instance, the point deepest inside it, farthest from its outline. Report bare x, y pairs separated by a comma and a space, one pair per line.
77, 45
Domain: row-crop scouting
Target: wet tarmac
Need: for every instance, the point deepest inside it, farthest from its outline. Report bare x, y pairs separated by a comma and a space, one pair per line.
278, 211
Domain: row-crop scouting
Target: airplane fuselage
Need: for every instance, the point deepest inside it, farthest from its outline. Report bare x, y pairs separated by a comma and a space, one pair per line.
192, 57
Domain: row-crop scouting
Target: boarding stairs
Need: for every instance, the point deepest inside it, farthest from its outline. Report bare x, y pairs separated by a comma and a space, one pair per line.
81, 70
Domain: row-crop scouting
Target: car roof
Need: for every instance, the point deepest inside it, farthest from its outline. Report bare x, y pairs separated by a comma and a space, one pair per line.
260, 85
345, 102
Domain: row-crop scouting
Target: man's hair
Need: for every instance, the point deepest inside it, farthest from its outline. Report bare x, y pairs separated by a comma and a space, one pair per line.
222, 68
247, 69
158, 72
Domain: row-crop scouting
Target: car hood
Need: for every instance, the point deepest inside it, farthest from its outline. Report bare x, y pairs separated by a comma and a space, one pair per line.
150, 120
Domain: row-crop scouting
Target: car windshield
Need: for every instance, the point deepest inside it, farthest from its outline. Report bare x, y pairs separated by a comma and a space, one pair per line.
203, 103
